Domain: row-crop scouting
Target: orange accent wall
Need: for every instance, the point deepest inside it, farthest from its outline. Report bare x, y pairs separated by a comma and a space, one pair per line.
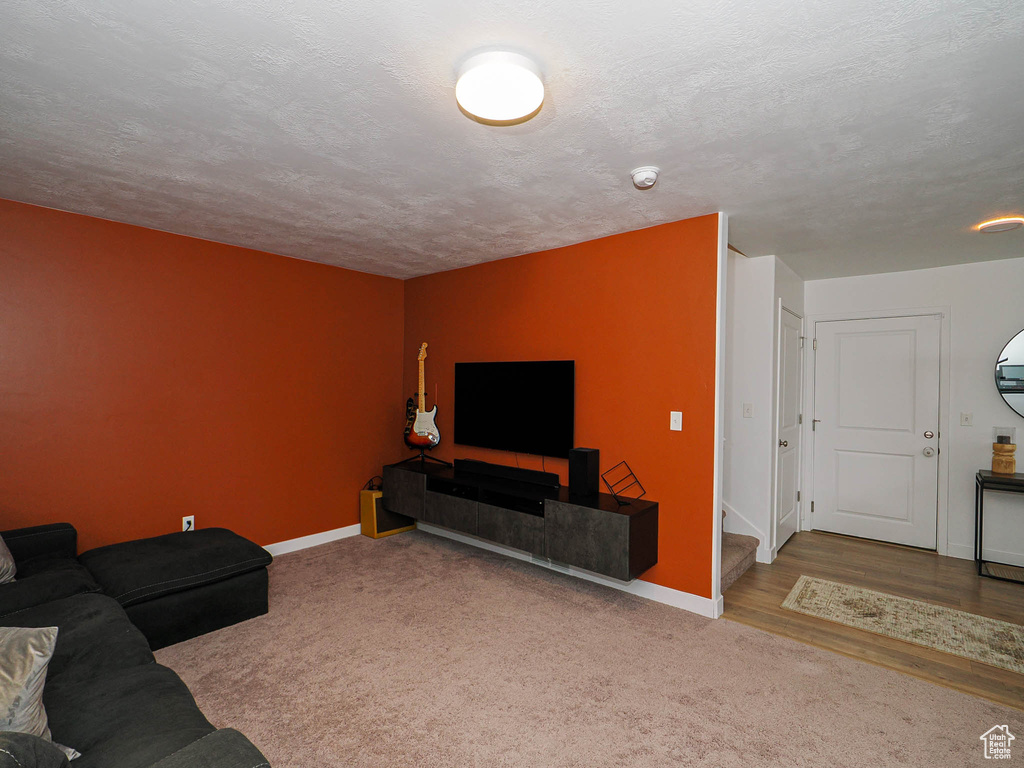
637, 312
145, 376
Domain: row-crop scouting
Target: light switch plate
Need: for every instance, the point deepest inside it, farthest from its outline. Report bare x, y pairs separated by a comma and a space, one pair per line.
748, 410
676, 421
966, 419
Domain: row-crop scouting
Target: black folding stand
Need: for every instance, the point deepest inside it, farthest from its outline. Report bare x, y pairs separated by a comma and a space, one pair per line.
423, 458
991, 481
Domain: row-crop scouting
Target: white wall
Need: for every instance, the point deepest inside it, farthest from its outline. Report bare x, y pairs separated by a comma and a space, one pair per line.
1014, 350
789, 287
754, 289
985, 310
746, 477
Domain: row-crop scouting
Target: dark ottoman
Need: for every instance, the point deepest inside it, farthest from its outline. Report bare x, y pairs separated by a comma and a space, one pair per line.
183, 585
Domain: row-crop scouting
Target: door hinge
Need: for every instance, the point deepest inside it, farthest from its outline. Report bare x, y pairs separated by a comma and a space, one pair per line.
802, 341
812, 507
800, 419
815, 344
798, 495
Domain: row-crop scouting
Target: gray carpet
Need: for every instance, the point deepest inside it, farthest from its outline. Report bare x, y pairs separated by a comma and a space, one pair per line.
738, 554
418, 651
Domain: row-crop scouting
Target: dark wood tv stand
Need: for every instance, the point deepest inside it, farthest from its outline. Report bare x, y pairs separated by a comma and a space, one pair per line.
593, 533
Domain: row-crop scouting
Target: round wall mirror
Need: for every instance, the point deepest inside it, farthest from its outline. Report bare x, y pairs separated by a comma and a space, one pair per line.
1010, 373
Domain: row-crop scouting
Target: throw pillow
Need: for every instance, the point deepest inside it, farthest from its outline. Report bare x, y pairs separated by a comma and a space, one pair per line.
25, 653
7, 567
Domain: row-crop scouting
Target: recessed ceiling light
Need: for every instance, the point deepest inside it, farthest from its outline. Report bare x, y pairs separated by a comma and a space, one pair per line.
1004, 224
499, 87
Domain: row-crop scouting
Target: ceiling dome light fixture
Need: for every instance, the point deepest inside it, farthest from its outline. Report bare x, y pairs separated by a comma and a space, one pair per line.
1004, 224
499, 88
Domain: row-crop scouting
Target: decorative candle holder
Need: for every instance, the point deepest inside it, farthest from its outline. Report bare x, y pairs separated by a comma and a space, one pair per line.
1004, 460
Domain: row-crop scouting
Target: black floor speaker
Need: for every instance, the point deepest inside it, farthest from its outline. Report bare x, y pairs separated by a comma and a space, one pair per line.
584, 471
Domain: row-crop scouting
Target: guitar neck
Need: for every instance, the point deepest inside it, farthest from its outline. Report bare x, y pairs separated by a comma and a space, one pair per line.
420, 389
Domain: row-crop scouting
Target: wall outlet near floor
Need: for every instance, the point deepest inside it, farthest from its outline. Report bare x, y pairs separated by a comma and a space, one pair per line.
748, 410
966, 419
188, 523
675, 421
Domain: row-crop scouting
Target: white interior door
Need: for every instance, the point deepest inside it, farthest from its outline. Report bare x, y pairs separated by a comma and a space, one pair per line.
787, 420
876, 410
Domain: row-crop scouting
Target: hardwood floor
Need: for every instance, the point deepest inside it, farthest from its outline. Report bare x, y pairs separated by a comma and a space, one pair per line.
756, 599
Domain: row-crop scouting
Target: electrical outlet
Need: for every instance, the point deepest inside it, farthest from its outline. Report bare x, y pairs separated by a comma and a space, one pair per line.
966, 419
188, 523
675, 422
748, 410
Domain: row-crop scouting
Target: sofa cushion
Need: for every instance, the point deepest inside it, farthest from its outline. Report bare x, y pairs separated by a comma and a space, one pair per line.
226, 748
95, 635
43, 580
135, 571
22, 750
51, 540
174, 618
126, 718
44, 564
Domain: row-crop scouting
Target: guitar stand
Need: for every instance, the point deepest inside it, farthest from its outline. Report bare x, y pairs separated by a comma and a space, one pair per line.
423, 458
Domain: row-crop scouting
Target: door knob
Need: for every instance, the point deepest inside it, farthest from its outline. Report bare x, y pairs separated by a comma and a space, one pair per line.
783, 443
929, 434
929, 451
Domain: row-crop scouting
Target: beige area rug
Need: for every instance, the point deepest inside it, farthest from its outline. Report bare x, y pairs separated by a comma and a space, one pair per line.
974, 637
416, 651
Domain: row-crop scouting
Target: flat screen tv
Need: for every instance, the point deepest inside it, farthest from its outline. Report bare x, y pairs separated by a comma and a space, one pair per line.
525, 407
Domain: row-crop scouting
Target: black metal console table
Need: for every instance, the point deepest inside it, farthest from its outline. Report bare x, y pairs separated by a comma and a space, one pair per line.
986, 480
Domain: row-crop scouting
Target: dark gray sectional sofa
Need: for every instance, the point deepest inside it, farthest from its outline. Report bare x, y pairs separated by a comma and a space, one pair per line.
105, 695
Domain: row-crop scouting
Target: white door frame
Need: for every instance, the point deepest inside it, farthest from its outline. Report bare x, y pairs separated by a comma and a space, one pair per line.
807, 438
777, 374
717, 605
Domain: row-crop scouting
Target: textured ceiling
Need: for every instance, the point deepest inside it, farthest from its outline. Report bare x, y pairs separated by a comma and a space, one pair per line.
846, 136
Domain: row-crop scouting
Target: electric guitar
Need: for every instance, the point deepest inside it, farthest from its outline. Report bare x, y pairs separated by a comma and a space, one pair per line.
410, 416
424, 432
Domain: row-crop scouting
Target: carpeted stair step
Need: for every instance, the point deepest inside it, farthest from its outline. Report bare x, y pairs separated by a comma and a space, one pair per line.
738, 553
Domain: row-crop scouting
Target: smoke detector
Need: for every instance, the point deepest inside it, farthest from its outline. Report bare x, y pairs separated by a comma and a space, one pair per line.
645, 176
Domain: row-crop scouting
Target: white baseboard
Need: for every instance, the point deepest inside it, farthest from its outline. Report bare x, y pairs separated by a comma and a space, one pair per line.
963, 551
703, 606
313, 540
966, 552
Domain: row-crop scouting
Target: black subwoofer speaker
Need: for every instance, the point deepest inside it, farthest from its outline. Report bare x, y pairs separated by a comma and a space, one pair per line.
584, 471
